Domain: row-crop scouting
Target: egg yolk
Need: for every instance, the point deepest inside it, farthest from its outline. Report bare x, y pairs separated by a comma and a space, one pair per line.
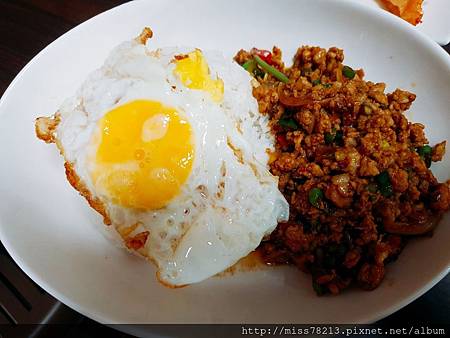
145, 154
193, 71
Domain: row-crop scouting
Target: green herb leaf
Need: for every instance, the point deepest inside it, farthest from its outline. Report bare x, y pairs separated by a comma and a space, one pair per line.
384, 184
288, 123
425, 153
329, 138
348, 72
315, 82
315, 196
339, 138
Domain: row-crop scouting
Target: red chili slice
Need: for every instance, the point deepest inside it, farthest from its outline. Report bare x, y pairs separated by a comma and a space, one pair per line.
282, 141
265, 55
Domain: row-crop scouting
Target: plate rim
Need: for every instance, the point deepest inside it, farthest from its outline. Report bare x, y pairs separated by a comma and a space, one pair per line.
400, 24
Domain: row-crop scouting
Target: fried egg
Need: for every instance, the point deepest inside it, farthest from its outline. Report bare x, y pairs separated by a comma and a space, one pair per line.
168, 145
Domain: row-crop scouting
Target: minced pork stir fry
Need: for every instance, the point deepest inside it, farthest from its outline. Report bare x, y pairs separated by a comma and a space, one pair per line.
353, 168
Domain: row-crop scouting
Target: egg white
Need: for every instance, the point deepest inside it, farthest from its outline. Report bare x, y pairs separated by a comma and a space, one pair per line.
225, 207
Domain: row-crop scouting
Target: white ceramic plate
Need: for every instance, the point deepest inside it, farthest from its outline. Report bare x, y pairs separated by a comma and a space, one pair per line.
55, 238
435, 21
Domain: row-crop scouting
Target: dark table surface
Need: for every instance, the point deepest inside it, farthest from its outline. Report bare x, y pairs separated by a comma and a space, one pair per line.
27, 26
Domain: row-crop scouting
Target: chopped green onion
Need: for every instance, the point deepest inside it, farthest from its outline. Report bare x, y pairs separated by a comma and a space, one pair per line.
348, 72
316, 82
327, 85
288, 123
271, 70
315, 196
252, 67
384, 184
249, 65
